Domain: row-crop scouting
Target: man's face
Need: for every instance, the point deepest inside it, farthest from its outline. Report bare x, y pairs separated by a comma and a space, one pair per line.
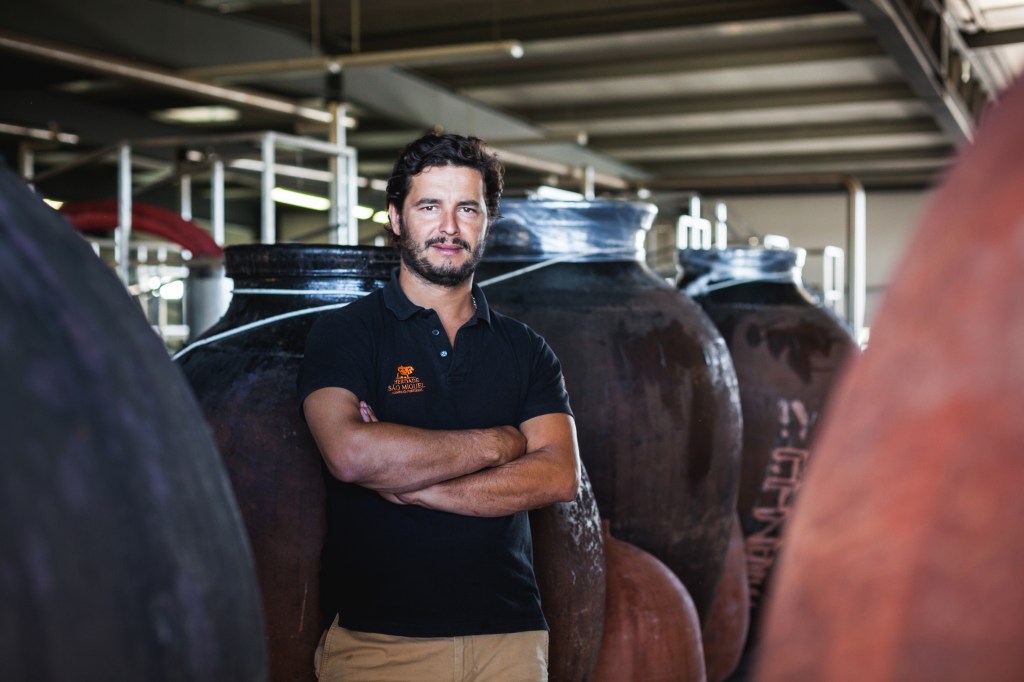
443, 225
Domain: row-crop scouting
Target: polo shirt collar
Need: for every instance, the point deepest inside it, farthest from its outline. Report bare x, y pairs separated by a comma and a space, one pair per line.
399, 304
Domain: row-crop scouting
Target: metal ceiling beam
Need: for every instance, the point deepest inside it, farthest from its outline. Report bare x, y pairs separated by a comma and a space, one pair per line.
905, 159
586, 68
752, 100
925, 69
538, 21
417, 102
613, 143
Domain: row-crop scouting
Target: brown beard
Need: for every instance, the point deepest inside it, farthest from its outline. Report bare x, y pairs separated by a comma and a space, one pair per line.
447, 276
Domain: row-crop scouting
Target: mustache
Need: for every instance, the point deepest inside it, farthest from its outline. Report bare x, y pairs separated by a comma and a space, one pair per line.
442, 240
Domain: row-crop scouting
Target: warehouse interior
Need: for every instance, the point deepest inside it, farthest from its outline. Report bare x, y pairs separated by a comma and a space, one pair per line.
808, 106
166, 492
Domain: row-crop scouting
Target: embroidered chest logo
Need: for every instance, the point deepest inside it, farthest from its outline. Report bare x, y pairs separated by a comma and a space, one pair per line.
406, 381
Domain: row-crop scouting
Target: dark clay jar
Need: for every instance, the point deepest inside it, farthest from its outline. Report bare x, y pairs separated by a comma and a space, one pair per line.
787, 349
122, 552
246, 384
649, 377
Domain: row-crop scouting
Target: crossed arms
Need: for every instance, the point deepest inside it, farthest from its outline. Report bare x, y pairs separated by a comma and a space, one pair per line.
475, 472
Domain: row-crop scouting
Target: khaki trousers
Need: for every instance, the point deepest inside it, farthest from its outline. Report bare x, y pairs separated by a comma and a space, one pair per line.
348, 656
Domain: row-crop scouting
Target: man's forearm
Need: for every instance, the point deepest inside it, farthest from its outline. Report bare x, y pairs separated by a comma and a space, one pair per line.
544, 476
394, 458
491, 492
359, 449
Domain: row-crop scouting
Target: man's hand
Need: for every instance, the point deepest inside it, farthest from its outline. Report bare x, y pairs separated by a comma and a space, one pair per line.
367, 413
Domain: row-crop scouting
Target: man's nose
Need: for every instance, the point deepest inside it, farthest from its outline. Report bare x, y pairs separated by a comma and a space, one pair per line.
449, 223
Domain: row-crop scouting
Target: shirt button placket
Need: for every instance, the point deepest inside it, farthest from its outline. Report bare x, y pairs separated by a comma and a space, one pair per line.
440, 342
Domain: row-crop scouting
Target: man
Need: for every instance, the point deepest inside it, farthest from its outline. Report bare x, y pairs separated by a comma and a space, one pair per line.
443, 422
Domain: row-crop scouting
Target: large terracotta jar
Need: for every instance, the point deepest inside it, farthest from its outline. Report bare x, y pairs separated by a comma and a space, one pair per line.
902, 561
651, 628
725, 631
649, 377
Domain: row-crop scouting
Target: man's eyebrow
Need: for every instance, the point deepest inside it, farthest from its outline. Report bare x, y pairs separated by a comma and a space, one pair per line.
428, 201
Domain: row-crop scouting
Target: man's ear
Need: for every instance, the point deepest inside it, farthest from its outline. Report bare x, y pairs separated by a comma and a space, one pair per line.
395, 219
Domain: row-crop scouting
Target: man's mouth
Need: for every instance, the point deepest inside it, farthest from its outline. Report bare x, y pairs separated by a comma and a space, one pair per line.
447, 247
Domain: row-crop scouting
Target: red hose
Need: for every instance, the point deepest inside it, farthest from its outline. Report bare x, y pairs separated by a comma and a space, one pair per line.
154, 220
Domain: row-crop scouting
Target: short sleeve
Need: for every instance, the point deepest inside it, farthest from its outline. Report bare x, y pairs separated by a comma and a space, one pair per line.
546, 392
336, 355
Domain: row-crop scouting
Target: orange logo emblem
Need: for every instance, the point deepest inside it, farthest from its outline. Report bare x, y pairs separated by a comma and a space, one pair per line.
406, 382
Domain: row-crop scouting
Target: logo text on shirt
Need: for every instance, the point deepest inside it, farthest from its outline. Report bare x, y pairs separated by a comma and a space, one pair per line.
406, 381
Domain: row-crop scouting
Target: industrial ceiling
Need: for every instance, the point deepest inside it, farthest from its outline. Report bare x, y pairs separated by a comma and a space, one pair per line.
617, 97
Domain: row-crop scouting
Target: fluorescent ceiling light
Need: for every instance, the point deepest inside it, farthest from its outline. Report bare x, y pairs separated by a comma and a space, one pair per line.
200, 114
53, 203
301, 199
363, 212
381, 217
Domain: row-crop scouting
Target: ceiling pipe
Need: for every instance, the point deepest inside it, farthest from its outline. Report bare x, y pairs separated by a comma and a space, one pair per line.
445, 54
856, 222
151, 75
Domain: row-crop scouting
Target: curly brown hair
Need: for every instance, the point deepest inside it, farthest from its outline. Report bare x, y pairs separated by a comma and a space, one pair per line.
448, 149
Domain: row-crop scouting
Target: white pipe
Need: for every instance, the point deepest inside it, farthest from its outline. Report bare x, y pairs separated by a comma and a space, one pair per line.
336, 164
353, 199
588, 183
267, 179
26, 161
123, 233
185, 204
856, 248
217, 201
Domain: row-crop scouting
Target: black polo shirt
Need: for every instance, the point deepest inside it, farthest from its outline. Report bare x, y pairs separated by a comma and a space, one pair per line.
406, 570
